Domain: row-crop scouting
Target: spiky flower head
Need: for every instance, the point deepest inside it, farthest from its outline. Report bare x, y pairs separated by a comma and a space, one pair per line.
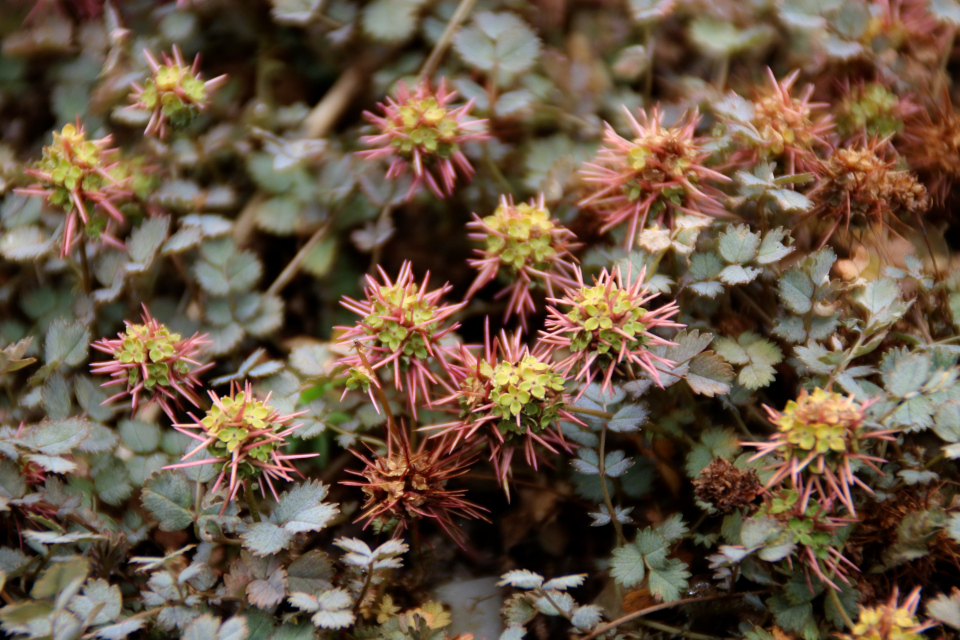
525, 242
931, 145
175, 94
608, 328
404, 486
658, 172
818, 436
890, 621
515, 395
860, 187
871, 110
402, 325
420, 130
245, 437
81, 177
151, 360
783, 127
814, 532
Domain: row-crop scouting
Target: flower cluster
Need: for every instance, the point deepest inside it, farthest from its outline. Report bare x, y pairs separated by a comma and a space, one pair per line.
515, 394
890, 621
77, 175
403, 325
149, 359
404, 486
608, 327
421, 130
931, 144
529, 245
660, 171
175, 94
861, 187
814, 531
870, 110
245, 437
786, 127
818, 436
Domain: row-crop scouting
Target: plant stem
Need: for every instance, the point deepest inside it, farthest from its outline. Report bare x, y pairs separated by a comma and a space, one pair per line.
378, 390
433, 60
846, 361
363, 591
335, 101
839, 607
660, 607
603, 487
677, 631
495, 170
253, 502
85, 267
648, 41
596, 413
294, 265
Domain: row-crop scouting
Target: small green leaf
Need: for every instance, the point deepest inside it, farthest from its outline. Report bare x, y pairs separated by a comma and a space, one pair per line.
738, 245
168, 496
67, 343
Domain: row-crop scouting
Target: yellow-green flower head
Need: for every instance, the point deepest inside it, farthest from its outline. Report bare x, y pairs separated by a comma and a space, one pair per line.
243, 437
175, 93
526, 249
237, 418
889, 621
520, 234
818, 435
871, 109
396, 311
73, 163
822, 422
525, 394
148, 358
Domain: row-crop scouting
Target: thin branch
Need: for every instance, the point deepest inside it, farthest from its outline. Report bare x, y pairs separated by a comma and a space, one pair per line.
294, 265
660, 607
463, 10
335, 101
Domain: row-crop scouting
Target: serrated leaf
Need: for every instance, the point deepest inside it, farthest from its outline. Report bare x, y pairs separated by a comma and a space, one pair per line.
67, 343
795, 290
587, 617
25, 243
498, 42
121, 629
391, 20
302, 508
59, 575
270, 592
147, 239
628, 418
738, 245
772, 248
627, 566
168, 496
333, 619
709, 375
266, 538
946, 609
564, 582
908, 374
736, 274
615, 464
521, 579
669, 581
790, 201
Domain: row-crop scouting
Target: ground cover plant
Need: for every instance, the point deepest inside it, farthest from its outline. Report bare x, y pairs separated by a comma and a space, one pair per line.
413, 319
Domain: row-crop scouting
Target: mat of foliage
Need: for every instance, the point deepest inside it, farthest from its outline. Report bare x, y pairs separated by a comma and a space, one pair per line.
435, 319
